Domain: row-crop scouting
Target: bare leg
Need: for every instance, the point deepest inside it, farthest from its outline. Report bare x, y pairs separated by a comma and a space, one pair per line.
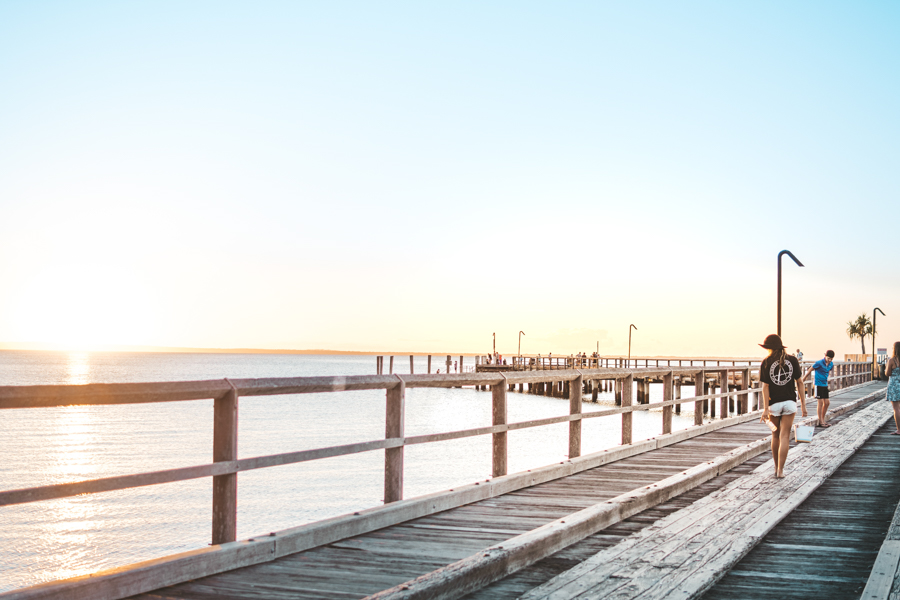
784, 433
776, 442
822, 410
896, 407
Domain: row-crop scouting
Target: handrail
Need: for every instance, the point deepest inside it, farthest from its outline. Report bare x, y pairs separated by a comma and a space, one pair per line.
226, 392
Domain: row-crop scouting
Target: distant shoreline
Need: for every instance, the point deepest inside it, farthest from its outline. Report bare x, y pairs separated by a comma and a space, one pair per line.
37, 347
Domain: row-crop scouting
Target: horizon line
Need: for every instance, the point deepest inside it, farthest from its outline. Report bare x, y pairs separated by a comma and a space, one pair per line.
47, 347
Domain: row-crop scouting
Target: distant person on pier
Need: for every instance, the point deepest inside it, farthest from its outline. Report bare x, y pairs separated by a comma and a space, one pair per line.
893, 389
799, 356
822, 368
779, 374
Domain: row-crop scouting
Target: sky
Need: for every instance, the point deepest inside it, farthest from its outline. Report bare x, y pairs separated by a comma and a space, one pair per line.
389, 176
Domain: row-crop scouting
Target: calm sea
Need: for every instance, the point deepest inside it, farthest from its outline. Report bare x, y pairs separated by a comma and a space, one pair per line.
74, 536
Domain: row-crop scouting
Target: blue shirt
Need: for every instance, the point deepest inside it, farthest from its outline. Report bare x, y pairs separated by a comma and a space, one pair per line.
822, 370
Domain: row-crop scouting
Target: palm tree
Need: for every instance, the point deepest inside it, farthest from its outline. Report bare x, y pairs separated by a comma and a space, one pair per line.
860, 328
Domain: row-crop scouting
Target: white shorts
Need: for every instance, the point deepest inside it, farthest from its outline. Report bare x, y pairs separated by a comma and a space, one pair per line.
786, 407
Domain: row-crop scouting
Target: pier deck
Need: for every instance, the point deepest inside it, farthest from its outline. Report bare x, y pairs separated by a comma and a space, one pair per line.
454, 549
826, 547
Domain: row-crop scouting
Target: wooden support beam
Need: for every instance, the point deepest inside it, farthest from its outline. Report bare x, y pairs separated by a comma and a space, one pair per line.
225, 432
678, 393
744, 406
627, 384
668, 394
723, 401
394, 428
429, 364
499, 416
411, 365
699, 380
575, 394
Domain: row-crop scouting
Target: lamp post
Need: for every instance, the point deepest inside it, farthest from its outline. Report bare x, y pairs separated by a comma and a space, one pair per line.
874, 349
628, 364
521, 333
799, 264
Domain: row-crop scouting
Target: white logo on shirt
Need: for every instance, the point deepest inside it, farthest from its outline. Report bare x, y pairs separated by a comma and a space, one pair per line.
779, 375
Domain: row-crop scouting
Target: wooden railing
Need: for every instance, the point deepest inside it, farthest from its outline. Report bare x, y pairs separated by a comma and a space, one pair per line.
539, 362
226, 394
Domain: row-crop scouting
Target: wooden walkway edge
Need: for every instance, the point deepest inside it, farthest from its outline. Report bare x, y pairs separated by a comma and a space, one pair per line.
684, 554
884, 581
500, 560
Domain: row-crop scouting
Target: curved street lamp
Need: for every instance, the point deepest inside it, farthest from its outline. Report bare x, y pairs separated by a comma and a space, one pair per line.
628, 364
799, 264
521, 333
874, 349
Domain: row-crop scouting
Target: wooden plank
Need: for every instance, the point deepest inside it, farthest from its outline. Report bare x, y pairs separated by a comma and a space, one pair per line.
495, 562
884, 572
682, 555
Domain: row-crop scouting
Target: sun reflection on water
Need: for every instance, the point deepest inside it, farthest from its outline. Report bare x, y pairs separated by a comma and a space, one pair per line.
79, 367
72, 445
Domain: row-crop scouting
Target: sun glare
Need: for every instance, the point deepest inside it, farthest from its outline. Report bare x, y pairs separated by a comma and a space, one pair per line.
69, 309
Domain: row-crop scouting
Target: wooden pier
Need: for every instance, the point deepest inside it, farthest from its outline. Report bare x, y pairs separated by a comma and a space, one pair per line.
534, 534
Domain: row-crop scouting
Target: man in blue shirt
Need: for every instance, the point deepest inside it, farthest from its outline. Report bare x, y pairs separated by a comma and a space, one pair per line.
822, 368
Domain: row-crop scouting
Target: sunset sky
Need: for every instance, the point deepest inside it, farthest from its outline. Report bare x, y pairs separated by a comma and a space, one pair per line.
417, 176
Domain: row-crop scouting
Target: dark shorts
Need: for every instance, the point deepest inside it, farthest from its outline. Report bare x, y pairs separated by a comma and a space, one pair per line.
821, 391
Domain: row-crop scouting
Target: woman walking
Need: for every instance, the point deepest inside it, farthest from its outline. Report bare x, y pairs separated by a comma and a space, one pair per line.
780, 376
893, 390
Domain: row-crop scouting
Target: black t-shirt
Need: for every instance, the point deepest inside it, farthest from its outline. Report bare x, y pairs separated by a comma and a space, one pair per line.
780, 378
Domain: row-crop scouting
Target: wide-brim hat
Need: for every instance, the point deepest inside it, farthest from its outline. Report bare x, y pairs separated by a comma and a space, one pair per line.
773, 342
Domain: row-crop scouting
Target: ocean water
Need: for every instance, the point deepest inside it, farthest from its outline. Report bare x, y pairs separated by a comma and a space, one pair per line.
63, 538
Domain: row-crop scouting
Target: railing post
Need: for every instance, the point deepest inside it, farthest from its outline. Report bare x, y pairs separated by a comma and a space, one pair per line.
699, 380
498, 398
668, 394
678, 394
745, 398
723, 388
225, 431
576, 389
626, 401
393, 428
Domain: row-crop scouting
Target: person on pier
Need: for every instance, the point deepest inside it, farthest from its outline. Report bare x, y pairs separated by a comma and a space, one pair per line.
893, 389
822, 368
781, 381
